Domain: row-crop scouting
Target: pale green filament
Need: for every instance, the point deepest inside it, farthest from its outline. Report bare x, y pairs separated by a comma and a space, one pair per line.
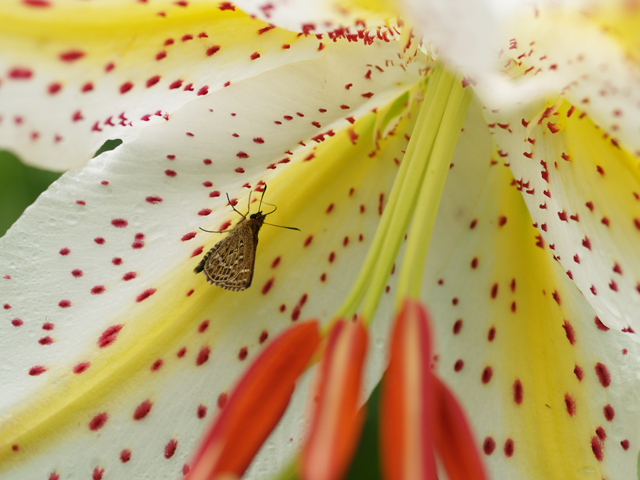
417, 189
424, 216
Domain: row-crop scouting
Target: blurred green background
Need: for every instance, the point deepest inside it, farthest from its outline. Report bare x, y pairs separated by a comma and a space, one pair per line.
20, 185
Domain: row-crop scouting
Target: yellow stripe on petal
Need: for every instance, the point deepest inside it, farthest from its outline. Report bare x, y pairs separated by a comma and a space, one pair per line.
541, 381
583, 191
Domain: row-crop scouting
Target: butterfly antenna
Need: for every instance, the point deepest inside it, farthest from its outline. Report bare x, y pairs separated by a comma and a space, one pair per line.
263, 190
272, 205
211, 231
234, 208
249, 204
282, 226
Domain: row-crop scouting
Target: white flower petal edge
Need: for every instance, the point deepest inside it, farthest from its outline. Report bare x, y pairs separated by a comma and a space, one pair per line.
74, 75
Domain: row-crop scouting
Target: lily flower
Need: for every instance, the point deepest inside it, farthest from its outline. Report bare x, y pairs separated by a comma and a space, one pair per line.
115, 353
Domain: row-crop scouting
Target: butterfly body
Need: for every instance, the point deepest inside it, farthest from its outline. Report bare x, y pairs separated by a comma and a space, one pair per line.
230, 263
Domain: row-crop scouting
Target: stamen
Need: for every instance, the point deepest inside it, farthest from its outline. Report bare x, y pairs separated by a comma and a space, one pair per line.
418, 185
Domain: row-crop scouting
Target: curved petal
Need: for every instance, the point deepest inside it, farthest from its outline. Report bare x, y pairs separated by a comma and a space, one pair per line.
337, 412
599, 74
103, 316
75, 74
256, 404
546, 387
583, 192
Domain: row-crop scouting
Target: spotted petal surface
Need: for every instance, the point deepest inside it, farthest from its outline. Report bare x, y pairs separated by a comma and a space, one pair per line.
73, 74
583, 192
114, 352
549, 389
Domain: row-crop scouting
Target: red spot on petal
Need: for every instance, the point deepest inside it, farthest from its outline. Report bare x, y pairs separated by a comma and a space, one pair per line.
517, 391
255, 55
170, 448
146, 294
242, 354
16, 322
508, 447
570, 404
263, 336
64, 251
129, 276
142, 410
457, 326
222, 400
19, 73
600, 325
609, 412
577, 371
64, 303
596, 448
488, 446
202, 411
487, 373
81, 367
568, 330
213, 49
125, 87
203, 326
98, 421
38, 3
603, 374
37, 370
267, 286
119, 222
97, 290
109, 335
492, 334
203, 355
125, 455
155, 366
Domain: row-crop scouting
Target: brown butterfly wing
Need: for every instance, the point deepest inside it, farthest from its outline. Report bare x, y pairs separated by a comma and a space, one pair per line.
229, 264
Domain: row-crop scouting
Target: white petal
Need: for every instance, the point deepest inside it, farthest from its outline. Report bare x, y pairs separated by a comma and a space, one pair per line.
112, 270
